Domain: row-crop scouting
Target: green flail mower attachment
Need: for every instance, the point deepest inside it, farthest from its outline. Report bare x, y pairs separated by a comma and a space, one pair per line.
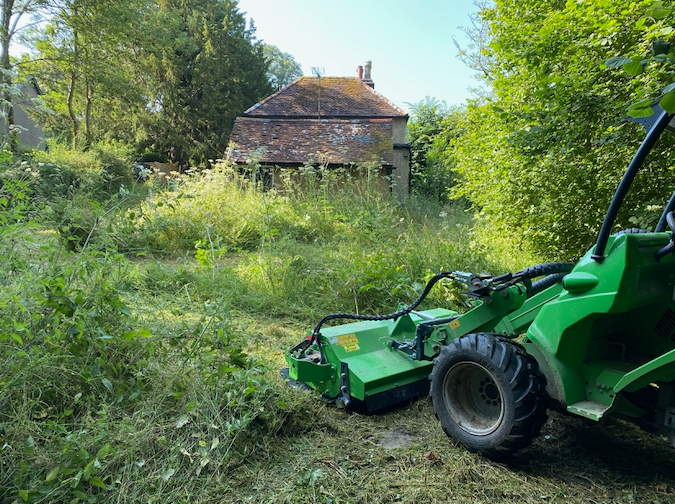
381, 361
594, 339
387, 361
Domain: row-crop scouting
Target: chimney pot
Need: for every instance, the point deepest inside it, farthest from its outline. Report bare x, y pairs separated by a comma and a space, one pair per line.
368, 65
359, 72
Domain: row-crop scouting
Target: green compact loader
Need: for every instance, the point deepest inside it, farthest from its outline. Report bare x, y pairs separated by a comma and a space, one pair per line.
595, 338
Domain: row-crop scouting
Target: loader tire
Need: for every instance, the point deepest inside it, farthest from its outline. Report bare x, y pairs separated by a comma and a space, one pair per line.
488, 394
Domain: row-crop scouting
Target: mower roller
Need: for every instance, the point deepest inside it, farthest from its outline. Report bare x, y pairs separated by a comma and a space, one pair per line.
594, 339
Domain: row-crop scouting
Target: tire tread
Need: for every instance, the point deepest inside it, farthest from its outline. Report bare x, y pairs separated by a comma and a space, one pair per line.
520, 371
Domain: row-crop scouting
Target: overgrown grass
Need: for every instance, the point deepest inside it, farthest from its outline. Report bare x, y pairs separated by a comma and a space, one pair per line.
332, 244
153, 376
92, 398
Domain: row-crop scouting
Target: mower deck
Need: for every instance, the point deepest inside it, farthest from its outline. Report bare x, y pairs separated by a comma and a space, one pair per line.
370, 369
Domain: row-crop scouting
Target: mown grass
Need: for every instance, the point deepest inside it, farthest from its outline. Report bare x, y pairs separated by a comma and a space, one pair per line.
352, 458
153, 376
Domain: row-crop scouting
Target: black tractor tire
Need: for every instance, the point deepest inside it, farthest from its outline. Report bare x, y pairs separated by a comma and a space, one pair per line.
488, 394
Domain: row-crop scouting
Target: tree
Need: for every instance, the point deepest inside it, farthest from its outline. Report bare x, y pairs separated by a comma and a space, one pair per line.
283, 69
169, 75
542, 154
657, 25
84, 56
432, 130
208, 72
11, 14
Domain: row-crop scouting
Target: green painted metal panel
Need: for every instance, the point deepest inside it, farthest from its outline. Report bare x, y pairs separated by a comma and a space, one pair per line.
517, 321
374, 366
599, 333
646, 369
484, 316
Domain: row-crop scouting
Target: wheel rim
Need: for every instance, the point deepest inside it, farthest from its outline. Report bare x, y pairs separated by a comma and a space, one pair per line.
473, 398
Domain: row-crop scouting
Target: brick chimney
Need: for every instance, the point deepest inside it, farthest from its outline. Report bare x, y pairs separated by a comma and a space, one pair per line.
367, 66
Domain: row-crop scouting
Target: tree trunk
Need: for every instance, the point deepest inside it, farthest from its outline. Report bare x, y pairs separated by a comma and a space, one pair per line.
71, 110
71, 88
87, 114
5, 36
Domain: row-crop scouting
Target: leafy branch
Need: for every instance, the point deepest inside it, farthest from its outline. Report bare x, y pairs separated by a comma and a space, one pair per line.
662, 55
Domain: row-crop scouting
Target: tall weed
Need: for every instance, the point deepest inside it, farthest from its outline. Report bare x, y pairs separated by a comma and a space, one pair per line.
99, 172
326, 240
90, 398
79, 187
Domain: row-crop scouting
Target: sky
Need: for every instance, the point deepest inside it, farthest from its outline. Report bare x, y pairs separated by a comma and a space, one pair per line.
410, 42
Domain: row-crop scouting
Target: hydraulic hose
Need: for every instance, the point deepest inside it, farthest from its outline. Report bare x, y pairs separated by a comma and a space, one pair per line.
554, 270
395, 315
544, 283
544, 269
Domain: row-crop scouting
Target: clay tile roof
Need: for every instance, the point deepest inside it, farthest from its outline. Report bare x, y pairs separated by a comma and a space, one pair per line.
341, 97
337, 141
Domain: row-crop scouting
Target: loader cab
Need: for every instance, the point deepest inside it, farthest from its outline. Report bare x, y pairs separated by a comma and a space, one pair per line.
609, 338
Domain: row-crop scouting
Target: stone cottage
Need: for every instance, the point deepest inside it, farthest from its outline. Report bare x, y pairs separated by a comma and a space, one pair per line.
341, 121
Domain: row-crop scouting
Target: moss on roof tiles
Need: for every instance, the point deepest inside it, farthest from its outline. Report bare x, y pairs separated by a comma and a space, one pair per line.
326, 97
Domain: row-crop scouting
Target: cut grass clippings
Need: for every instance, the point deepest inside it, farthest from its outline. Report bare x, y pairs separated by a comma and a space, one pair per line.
346, 458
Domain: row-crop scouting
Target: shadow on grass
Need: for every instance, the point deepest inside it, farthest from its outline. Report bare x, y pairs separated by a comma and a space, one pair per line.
602, 454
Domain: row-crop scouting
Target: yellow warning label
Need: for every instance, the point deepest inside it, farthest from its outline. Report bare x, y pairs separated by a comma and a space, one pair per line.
349, 342
454, 324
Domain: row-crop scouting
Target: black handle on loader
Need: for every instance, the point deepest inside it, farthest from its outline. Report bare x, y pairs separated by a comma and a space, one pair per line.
670, 248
